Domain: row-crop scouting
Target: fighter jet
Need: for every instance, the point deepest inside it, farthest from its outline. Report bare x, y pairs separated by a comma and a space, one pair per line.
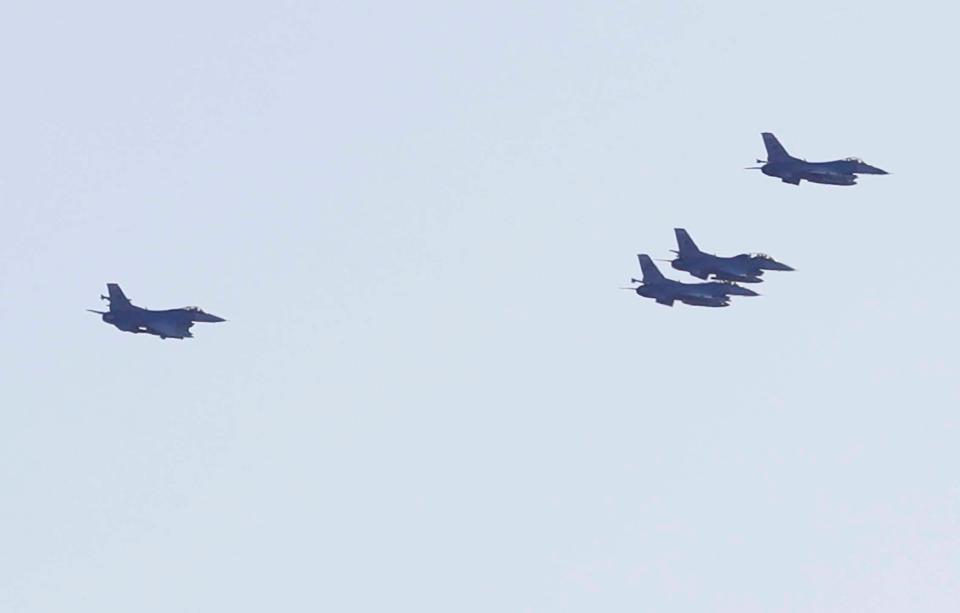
666, 291
745, 268
791, 170
172, 323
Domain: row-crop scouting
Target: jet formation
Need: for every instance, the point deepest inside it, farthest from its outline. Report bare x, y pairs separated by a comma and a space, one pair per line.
722, 273
792, 170
667, 291
171, 323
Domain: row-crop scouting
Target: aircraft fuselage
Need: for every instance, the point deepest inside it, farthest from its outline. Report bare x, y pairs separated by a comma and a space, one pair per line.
712, 294
169, 323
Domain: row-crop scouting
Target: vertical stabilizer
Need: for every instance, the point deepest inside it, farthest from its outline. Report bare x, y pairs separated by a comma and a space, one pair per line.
685, 245
118, 301
651, 274
775, 151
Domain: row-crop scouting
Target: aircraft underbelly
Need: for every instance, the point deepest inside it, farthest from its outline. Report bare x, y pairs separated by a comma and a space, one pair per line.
830, 178
170, 329
743, 277
705, 301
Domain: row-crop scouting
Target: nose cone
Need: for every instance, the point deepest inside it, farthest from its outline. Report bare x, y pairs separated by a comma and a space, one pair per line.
207, 317
737, 290
775, 265
866, 169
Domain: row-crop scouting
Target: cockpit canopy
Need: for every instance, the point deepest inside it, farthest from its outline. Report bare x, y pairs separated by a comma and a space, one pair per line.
762, 256
193, 309
857, 160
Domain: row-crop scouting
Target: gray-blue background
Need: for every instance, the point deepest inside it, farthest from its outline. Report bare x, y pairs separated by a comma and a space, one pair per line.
431, 395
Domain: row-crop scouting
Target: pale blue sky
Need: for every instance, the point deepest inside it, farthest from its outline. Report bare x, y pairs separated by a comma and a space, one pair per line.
430, 394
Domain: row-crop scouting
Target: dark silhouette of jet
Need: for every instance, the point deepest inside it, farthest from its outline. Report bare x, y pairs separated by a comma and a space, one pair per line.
666, 291
172, 323
791, 170
745, 268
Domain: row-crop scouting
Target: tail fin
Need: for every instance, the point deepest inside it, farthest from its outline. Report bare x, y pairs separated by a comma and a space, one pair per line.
685, 244
651, 274
117, 298
775, 151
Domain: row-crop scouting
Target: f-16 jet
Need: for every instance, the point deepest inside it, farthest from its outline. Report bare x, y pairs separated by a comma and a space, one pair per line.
171, 323
666, 291
745, 268
791, 170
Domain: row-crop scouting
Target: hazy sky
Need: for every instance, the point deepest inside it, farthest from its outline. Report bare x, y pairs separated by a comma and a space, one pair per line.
430, 395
